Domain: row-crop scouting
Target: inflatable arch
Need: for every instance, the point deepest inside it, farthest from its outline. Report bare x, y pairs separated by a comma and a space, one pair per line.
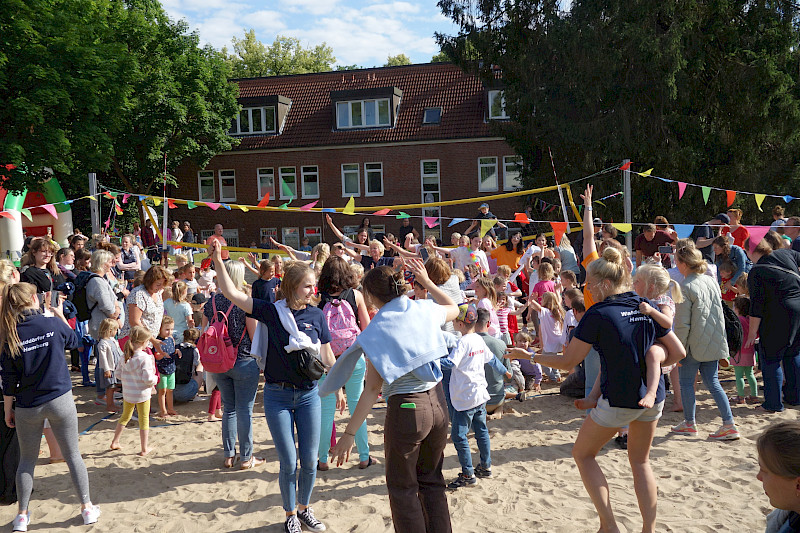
49, 192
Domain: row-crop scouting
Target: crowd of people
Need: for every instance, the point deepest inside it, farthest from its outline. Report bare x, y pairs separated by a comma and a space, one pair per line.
485, 322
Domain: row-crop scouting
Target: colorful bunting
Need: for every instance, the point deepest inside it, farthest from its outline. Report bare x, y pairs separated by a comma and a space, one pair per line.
226, 206
50, 208
759, 199
285, 206
622, 227
731, 196
108, 195
626, 166
456, 221
286, 191
244, 208
308, 207
683, 230
141, 197
706, 192
559, 228
645, 173
190, 204
522, 218
212, 205
264, 201
681, 189
756, 235
381, 212
6, 214
431, 222
402, 215
27, 213
350, 208
125, 198
328, 210
486, 225
788, 198
156, 202
117, 208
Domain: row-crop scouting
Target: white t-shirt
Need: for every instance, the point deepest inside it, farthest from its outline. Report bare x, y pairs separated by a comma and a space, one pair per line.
569, 320
468, 379
553, 334
462, 257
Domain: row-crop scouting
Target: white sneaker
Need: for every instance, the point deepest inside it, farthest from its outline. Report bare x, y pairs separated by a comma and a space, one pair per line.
21, 522
90, 515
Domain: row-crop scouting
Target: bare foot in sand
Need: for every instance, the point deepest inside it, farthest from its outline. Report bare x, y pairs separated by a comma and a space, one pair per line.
648, 401
144, 452
172, 413
115, 446
214, 418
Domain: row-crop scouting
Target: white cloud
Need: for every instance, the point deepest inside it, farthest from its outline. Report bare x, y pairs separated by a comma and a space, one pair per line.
310, 7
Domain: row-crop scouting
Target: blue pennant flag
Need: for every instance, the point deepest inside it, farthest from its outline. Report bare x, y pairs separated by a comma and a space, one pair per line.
142, 197
683, 230
788, 198
456, 221
226, 206
328, 210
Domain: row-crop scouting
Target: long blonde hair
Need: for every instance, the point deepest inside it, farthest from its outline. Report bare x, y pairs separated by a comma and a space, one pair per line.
488, 286
550, 302
138, 337
17, 299
657, 277
610, 267
180, 292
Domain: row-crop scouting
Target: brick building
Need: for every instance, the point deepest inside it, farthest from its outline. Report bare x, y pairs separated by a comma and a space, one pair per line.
387, 136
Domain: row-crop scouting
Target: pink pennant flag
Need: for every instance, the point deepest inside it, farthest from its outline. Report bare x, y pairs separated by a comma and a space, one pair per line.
125, 198
308, 207
50, 208
381, 212
6, 214
431, 222
108, 222
212, 205
756, 235
681, 189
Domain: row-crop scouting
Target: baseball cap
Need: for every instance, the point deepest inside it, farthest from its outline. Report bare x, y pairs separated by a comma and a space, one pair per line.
722, 217
484, 204
467, 313
597, 222
199, 298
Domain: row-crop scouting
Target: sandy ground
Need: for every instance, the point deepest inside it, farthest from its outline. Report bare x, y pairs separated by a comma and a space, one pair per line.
702, 485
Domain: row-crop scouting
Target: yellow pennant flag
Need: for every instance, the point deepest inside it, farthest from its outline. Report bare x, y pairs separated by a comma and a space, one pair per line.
622, 228
486, 225
646, 172
156, 202
350, 208
759, 199
243, 208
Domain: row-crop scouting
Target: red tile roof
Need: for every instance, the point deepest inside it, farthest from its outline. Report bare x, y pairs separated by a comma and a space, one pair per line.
461, 96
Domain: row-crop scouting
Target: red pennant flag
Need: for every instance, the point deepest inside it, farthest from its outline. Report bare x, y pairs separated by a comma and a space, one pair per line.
756, 235
559, 228
264, 201
731, 197
171, 204
6, 214
626, 166
107, 195
117, 208
522, 218
681, 189
381, 212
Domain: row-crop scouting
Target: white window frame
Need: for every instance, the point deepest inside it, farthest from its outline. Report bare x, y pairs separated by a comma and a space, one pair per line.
303, 175
503, 115
316, 236
222, 197
345, 194
349, 106
366, 178
280, 183
262, 191
205, 175
481, 188
516, 161
268, 232
263, 127
296, 231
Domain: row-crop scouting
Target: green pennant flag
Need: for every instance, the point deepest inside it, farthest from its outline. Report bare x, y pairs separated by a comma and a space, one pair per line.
287, 192
284, 206
190, 204
706, 192
27, 213
403, 215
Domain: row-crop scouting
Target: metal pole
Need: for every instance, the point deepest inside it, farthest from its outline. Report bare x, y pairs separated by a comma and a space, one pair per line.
94, 208
560, 193
626, 192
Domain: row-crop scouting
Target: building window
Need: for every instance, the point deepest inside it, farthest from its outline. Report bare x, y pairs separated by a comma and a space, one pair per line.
231, 236
288, 179
310, 177
373, 176
512, 170
432, 115
487, 174
254, 120
314, 235
363, 114
291, 237
431, 192
266, 182
205, 184
269, 232
351, 185
227, 185
497, 105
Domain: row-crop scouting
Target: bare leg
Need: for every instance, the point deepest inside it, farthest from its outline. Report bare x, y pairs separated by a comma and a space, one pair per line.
117, 434
653, 359
110, 407
591, 439
162, 402
640, 438
677, 403
143, 436
170, 406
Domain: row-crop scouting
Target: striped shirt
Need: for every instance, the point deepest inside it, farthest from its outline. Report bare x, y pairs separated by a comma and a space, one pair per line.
138, 375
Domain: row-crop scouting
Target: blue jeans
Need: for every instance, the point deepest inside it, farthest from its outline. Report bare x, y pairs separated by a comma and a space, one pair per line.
354, 387
237, 388
285, 409
708, 371
774, 370
462, 421
186, 392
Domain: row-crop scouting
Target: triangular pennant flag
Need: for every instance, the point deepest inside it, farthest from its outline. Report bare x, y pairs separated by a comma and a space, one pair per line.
27, 213
788, 198
381, 212
681, 189
125, 198
264, 201
456, 221
308, 207
621, 227
141, 197
171, 204
67, 202
226, 206
92, 198
431, 222
522, 218
350, 208
108, 194
665, 180
646, 172
626, 166
731, 196
212, 205
559, 228
706, 192
107, 222
756, 235
683, 230
286, 191
402, 215
759, 199
6, 214
284, 206
328, 210
190, 204
599, 202
486, 225
244, 208
117, 208
50, 208
156, 202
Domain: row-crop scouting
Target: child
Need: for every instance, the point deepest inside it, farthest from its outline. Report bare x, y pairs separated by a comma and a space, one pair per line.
552, 330
186, 274
205, 282
568, 280
726, 270
531, 372
166, 368
745, 360
181, 261
469, 395
266, 286
545, 284
652, 281
277, 261
741, 286
138, 375
108, 357
569, 296
487, 299
180, 310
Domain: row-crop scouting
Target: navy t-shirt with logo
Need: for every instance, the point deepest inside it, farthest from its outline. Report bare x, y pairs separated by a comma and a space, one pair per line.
622, 335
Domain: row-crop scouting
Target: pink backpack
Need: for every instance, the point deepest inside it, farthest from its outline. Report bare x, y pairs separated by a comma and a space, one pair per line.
342, 324
217, 352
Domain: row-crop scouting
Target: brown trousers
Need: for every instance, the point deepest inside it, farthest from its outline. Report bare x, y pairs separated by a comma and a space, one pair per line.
414, 440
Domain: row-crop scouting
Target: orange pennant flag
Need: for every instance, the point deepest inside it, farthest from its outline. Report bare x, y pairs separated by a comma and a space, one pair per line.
522, 218
264, 201
559, 228
6, 214
731, 197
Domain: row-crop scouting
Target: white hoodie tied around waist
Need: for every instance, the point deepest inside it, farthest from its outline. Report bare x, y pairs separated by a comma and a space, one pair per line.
297, 339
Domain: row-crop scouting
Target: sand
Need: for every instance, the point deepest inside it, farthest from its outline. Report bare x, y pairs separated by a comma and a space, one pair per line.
702, 485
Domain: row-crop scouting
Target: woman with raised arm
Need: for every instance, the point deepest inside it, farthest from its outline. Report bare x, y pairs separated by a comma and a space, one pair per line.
403, 363
291, 401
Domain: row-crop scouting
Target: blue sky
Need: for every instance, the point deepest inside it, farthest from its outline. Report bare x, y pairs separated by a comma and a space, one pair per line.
360, 32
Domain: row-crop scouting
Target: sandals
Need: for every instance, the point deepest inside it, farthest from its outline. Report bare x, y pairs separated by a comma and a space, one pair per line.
371, 461
250, 463
229, 462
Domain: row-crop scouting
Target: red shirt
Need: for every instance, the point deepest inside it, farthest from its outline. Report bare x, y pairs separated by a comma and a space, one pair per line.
222, 242
740, 235
649, 248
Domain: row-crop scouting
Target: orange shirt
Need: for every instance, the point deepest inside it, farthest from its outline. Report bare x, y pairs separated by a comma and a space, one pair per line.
222, 242
504, 257
588, 301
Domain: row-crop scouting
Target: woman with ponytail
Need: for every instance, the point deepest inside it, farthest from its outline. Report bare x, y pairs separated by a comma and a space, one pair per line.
35, 376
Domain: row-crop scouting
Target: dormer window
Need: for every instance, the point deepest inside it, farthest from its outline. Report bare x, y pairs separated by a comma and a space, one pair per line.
497, 105
262, 115
432, 115
365, 108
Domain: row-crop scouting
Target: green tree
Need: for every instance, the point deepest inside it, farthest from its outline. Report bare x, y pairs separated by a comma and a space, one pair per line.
701, 91
441, 57
348, 67
286, 55
398, 60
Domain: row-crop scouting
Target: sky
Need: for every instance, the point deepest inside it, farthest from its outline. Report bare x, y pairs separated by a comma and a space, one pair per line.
360, 33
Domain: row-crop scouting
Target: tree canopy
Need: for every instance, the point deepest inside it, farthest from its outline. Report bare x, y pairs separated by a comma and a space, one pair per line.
398, 60
286, 55
703, 92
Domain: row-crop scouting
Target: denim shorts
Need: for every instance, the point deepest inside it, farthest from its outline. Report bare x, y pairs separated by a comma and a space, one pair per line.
617, 417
